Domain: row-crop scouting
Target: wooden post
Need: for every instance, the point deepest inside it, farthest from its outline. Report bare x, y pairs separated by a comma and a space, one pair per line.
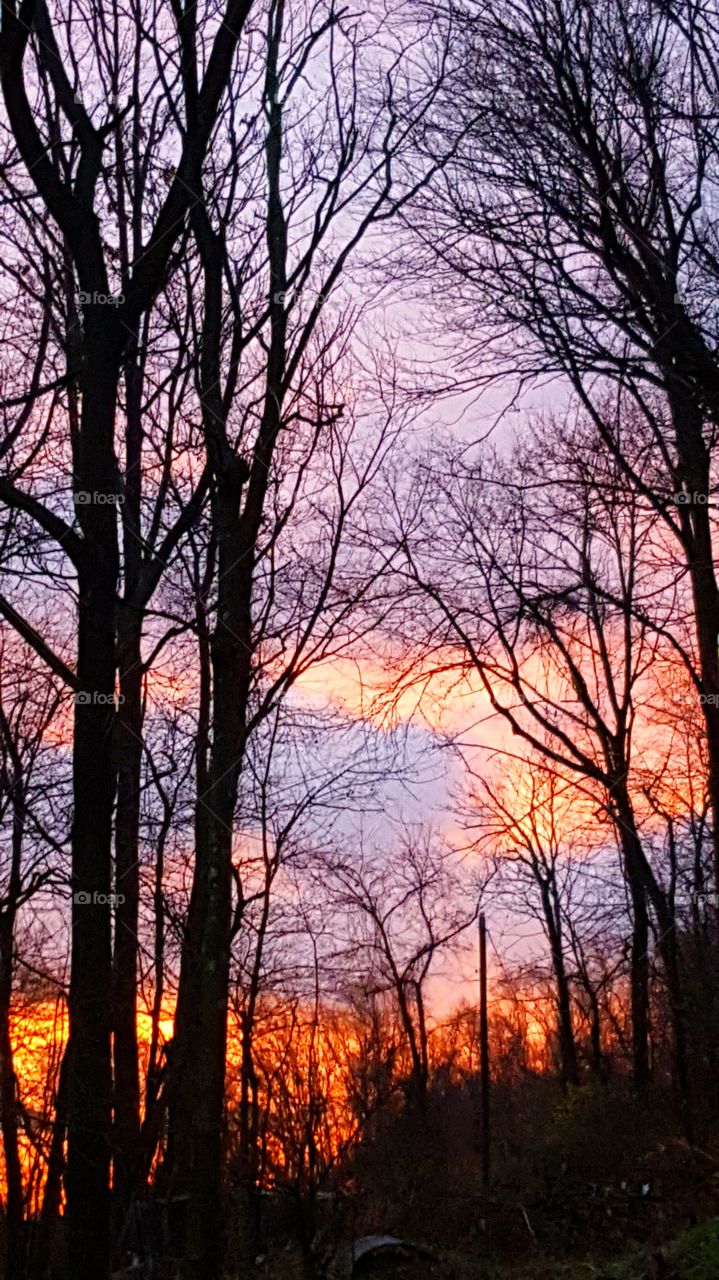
484, 1051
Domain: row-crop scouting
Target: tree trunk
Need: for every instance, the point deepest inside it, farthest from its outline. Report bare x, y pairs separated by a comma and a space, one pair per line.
668, 950
595, 1037
14, 1204
695, 518
126, 1129
642, 887
49, 1225
567, 1044
198, 1071
197, 1097
90, 1076
641, 873
247, 1158
199, 1053
639, 983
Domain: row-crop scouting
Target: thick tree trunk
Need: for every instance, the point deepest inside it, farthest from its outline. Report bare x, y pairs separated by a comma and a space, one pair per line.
90, 1076
696, 523
199, 1056
199, 1053
126, 1129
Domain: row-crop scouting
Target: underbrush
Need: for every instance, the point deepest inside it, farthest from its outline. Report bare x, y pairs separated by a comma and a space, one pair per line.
692, 1255
586, 1185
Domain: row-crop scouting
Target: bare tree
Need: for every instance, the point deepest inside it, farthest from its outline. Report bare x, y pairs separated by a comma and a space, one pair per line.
44, 79
406, 910
551, 630
525, 821
313, 221
577, 220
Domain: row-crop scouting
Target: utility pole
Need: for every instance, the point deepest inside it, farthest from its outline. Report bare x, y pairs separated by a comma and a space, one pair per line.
484, 1050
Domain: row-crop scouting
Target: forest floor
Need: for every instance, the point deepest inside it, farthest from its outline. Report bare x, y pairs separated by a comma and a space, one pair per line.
692, 1255
646, 1211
